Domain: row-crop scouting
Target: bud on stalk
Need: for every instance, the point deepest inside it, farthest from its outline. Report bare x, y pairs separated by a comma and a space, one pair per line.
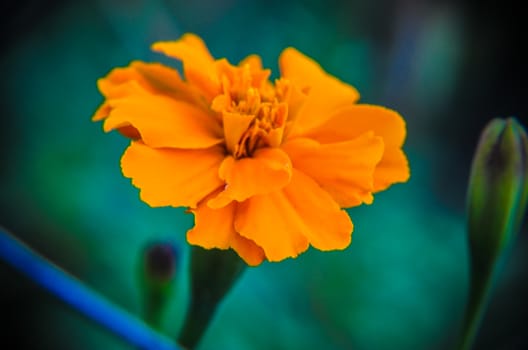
157, 275
496, 203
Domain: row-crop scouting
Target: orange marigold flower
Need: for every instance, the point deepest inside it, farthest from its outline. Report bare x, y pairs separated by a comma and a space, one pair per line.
265, 167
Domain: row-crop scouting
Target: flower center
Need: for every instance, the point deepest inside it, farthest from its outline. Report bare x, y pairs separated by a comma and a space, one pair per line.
253, 110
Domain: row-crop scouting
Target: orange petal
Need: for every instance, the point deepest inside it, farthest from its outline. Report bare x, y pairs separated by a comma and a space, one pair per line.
102, 112
235, 124
172, 177
259, 75
284, 222
139, 79
343, 169
248, 250
126, 89
325, 93
254, 62
268, 170
273, 224
164, 122
154, 77
326, 226
352, 121
392, 168
161, 79
117, 77
130, 132
198, 64
214, 228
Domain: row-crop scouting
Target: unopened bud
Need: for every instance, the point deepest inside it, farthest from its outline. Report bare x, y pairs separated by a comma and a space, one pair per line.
158, 269
498, 188
496, 203
160, 262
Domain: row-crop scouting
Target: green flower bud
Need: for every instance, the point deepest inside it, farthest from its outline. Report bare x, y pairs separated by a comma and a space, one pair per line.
498, 189
157, 275
496, 203
160, 263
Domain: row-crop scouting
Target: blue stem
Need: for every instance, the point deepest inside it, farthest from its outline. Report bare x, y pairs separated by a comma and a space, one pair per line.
79, 296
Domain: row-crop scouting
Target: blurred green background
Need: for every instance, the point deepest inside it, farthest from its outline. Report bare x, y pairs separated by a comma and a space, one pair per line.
447, 66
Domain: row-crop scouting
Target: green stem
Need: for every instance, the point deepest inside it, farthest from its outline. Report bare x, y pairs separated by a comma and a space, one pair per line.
196, 323
480, 290
154, 305
213, 273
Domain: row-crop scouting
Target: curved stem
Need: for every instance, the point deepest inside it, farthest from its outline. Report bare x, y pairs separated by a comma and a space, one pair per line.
480, 289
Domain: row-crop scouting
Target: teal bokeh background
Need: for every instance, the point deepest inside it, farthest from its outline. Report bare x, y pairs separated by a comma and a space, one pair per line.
447, 67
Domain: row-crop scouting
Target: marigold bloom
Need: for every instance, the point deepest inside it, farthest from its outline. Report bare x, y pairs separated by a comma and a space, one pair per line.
265, 168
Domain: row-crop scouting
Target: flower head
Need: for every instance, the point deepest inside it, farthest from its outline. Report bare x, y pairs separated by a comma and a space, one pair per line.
265, 167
